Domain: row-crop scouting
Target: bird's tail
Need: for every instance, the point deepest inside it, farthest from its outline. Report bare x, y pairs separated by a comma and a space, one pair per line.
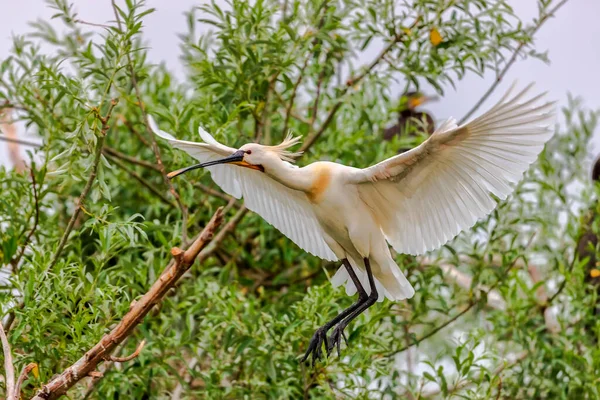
390, 282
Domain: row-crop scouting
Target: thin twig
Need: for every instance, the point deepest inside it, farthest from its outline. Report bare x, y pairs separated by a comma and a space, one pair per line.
263, 124
292, 113
310, 140
550, 318
212, 192
129, 357
9, 369
315, 108
468, 307
28, 368
141, 180
86, 365
288, 110
14, 151
451, 273
132, 129
511, 61
115, 153
89, 183
563, 284
104, 369
79, 21
8, 105
230, 226
154, 145
11, 317
20, 141
433, 331
315, 42
465, 383
15, 261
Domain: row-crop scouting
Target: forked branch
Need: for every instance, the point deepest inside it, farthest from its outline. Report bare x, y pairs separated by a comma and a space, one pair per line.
86, 365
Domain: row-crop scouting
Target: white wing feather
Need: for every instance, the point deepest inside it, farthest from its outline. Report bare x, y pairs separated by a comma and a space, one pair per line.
286, 209
426, 196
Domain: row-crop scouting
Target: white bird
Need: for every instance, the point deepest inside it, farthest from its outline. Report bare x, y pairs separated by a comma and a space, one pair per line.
415, 201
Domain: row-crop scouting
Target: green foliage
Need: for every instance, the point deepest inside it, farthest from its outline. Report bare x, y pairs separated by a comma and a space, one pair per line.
235, 325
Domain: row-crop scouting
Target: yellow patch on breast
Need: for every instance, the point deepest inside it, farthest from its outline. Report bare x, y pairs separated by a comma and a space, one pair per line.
320, 183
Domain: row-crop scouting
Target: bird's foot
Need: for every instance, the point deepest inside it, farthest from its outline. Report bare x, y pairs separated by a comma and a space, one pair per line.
335, 340
315, 347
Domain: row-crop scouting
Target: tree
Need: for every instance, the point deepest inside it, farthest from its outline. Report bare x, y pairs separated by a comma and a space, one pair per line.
90, 233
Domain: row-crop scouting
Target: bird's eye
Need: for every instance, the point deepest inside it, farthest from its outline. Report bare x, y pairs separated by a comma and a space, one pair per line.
248, 151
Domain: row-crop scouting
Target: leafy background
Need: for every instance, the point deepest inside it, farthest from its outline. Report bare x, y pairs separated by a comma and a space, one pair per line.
506, 310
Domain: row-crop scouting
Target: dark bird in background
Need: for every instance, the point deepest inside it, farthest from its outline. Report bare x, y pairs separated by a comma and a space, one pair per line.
587, 247
410, 121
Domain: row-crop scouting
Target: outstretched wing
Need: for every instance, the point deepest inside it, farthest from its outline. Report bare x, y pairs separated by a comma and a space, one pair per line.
286, 209
426, 196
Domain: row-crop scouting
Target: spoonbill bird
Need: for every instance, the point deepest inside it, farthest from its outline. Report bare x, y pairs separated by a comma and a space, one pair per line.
415, 201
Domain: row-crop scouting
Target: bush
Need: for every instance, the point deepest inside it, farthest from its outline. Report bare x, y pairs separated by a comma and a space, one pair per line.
505, 310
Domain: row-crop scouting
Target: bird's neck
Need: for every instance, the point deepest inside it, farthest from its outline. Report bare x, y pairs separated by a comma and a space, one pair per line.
289, 175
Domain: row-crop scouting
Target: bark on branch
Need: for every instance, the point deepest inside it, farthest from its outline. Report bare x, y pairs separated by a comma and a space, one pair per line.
86, 365
9, 369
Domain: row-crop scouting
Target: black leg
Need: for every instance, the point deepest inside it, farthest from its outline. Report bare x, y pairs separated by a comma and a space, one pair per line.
320, 335
338, 331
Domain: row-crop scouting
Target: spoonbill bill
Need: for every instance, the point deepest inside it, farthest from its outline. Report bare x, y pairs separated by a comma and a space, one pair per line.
415, 201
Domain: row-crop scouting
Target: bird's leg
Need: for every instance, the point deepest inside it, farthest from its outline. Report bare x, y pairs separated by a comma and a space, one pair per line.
320, 335
338, 331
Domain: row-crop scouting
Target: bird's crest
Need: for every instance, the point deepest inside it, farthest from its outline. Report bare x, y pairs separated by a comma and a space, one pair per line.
282, 148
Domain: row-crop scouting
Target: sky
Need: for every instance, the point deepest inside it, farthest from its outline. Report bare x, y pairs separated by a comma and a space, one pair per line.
571, 39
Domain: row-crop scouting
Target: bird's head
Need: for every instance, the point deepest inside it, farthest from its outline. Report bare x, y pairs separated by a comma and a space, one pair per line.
252, 155
412, 100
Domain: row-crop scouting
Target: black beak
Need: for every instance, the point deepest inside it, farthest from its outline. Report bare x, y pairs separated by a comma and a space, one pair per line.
430, 98
236, 157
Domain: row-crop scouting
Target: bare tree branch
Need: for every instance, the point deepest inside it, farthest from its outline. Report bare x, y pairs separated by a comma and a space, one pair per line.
8, 139
154, 145
141, 180
289, 108
86, 365
230, 226
9, 369
104, 368
511, 61
28, 368
434, 330
310, 140
132, 160
14, 151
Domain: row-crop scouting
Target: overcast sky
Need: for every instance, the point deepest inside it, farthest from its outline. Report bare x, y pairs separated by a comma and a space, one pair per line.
571, 39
